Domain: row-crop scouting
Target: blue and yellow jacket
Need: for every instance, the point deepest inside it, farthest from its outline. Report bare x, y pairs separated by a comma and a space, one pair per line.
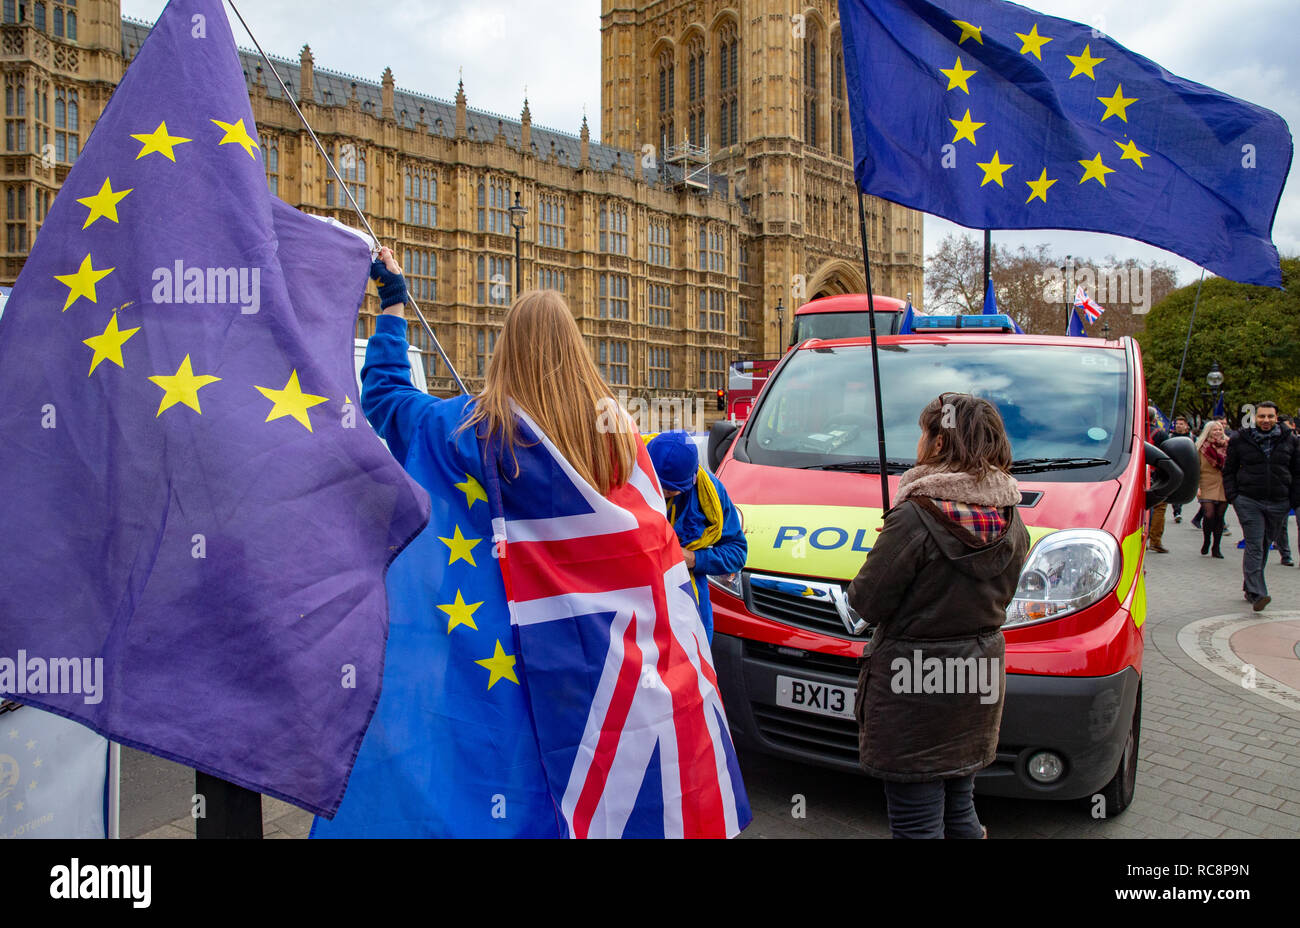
708, 523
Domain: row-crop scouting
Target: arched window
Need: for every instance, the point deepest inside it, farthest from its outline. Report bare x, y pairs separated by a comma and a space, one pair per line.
667, 98
811, 88
839, 98
271, 146
695, 84
728, 84
421, 196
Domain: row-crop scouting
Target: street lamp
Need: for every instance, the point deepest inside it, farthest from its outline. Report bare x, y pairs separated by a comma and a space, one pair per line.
517, 214
1215, 379
780, 325
1065, 292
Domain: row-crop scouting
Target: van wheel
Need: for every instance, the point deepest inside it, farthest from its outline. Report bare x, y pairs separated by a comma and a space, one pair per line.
1118, 793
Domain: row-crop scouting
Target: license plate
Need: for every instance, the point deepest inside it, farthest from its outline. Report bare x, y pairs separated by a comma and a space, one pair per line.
810, 696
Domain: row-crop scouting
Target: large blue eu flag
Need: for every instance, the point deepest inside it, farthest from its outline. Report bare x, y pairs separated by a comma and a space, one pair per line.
192, 501
998, 117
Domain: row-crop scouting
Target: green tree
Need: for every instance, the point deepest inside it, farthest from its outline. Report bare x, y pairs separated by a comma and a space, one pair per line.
1253, 333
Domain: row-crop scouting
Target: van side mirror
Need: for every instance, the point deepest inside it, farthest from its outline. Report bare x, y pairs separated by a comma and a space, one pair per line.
721, 435
1167, 478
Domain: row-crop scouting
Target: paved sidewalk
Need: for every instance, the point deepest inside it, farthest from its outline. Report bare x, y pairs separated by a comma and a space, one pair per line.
1218, 758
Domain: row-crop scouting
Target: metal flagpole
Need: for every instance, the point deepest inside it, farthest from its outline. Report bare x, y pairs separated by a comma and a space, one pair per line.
988, 257
875, 359
344, 187
1173, 407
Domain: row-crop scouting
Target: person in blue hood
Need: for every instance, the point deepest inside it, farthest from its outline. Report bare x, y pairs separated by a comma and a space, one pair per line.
705, 520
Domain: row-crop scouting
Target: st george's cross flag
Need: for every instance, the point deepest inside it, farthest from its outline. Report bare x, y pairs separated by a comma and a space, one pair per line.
1087, 305
616, 665
996, 116
190, 493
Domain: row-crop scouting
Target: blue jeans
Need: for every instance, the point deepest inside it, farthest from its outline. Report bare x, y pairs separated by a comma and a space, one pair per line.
933, 809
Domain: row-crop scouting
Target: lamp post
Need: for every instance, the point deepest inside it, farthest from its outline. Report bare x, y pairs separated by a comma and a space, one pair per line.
1065, 291
518, 212
1215, 379
780, 325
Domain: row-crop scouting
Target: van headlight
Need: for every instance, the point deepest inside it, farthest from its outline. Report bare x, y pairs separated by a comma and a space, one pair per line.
729, 584
1066, 571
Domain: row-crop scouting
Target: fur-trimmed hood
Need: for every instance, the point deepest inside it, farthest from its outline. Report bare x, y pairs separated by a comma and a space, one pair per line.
994, 488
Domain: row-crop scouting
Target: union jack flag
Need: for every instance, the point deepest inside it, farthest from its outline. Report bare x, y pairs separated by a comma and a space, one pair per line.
1086, 305
616, 664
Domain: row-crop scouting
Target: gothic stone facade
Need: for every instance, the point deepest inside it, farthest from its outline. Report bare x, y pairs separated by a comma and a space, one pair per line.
673, 266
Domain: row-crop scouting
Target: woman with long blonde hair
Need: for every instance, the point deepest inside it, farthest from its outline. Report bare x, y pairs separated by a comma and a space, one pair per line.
1213, 447
482, 724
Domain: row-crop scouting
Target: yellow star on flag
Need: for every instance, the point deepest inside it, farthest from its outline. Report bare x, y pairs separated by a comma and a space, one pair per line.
473, 491
82, 283
108, 345
238, 135
957, 76
1095, 169
1116, 104
968, 32
1039, 187
1131, 153
460, 613
291, 401
502, 666
159, 140
993, 170
182, 387
1083, 64
965, 128
1033, 42
104, 204
460, 547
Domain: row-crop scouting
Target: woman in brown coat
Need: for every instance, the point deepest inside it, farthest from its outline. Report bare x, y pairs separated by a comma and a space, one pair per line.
936, 586
1213, 445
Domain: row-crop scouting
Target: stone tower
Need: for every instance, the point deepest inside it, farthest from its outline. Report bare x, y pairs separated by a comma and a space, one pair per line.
760, 85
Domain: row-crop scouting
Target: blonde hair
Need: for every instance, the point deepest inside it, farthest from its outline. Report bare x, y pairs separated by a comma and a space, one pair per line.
542, 363
1205, 432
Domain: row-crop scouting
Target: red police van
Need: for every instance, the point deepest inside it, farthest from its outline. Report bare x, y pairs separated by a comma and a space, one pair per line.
804, 471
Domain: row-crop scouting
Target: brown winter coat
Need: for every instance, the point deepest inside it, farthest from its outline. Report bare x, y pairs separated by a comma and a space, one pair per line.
931, 586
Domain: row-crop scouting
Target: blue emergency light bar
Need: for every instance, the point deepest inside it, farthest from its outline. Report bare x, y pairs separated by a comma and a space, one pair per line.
998, 322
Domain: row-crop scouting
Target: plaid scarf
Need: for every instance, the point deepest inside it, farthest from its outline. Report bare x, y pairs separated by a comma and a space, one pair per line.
984, 522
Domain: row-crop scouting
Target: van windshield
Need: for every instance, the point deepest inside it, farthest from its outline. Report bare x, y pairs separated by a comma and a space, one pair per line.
1064, 407
843, 325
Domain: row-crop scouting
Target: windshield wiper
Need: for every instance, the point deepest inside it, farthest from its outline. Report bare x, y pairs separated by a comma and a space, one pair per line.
1034, 465
862, 467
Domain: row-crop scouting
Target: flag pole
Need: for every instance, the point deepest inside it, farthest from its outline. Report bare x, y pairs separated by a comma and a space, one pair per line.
344, 187
1173, 407
988, 257
875, 358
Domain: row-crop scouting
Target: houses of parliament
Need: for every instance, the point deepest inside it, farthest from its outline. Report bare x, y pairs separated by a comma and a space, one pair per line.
722, 186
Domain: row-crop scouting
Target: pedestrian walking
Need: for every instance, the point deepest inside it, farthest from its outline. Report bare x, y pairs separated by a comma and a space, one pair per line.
1213, 448
1261, 479
705, 520
937, 584
1183, 428
1287, 425
1156, 529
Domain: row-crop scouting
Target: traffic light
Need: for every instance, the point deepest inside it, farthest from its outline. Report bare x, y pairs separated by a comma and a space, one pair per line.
722, 401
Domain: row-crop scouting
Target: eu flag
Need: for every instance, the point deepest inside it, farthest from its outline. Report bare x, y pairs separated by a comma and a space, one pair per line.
191, 495
998, 117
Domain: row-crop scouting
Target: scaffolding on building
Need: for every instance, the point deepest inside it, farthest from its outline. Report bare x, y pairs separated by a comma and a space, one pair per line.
693, 165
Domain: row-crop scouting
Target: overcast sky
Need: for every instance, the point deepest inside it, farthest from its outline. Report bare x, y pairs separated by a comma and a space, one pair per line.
1246, 48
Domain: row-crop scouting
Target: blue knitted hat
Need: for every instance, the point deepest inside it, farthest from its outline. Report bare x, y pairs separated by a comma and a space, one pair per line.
675, 459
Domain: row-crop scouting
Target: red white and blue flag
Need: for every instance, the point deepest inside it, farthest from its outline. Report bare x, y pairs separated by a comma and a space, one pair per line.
616, 665
1086, 305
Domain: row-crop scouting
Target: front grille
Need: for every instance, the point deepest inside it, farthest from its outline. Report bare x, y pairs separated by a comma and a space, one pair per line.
801, 612
802, 731
845, 667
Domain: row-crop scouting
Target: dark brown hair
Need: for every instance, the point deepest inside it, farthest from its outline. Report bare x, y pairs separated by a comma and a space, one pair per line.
974, 438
